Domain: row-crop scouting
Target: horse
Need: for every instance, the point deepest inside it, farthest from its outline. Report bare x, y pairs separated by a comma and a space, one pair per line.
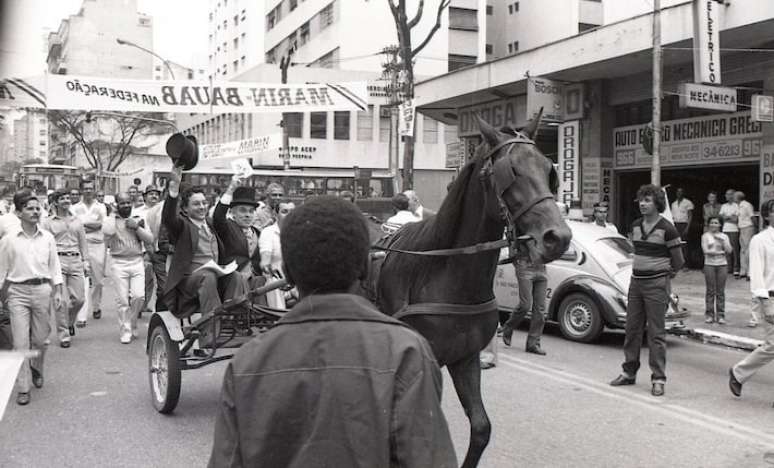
449, 299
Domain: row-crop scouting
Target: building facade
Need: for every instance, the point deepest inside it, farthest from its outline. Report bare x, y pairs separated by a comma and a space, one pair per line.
30, 134
702, 150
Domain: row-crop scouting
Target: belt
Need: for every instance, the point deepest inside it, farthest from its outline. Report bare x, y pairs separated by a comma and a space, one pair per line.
69, 254
33, 281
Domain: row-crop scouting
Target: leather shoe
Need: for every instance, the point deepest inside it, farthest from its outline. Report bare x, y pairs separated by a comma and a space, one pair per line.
80, 323
97, 314
535, 349
734, 385
507, 335
64, 344
622, 380
657, 389
71, 329
37, 379
23, 398
487, 365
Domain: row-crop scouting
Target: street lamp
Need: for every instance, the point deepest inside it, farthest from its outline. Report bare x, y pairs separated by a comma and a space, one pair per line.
132, 44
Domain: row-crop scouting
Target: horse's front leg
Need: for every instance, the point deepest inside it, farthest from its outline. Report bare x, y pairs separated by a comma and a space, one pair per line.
466, 375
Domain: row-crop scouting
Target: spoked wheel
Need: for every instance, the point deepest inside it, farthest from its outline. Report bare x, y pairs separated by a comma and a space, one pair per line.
164, 370
579, 318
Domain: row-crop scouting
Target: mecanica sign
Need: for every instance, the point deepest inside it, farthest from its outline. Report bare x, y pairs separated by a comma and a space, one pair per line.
697, 141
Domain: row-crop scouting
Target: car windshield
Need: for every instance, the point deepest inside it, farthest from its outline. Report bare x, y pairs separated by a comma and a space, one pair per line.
614, 253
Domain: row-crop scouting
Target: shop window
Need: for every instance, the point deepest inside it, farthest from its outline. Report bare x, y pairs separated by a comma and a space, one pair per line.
430, 130
319, 125
365, 124
326, 16
341, 125
294, 122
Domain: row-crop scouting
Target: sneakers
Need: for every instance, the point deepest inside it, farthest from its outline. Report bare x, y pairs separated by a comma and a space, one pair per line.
657, 389
126, 338
752, 324
708, 320
722, 321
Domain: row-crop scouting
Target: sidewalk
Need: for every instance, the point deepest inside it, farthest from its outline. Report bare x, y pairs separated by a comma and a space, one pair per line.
689, 286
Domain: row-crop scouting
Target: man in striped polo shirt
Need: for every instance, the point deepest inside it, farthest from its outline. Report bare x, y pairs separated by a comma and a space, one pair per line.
657, 256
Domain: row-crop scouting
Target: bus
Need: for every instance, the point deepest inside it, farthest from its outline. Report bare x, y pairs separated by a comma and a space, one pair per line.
373, 194
42, 177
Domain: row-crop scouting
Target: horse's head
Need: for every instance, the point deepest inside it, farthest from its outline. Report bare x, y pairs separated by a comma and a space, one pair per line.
523, 181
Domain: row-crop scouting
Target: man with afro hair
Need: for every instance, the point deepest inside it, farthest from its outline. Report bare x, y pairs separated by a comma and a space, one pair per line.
335, 382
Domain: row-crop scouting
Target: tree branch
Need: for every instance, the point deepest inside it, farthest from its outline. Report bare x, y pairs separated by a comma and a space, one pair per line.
418, 16
441, 6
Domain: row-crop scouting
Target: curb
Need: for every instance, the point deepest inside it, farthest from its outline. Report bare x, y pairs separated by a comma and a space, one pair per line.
719, 338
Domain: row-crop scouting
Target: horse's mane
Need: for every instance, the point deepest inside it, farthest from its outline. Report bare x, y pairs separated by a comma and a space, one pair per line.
438, 232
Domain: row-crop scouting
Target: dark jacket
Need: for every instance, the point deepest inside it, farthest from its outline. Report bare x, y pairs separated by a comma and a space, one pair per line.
234, 240
182, 234
335, 383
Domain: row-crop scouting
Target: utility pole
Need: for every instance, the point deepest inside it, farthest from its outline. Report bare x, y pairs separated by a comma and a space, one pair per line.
655, 171
284, 64
391, 70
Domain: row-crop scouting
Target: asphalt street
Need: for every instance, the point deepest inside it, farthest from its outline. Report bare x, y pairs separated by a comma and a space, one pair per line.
551, 411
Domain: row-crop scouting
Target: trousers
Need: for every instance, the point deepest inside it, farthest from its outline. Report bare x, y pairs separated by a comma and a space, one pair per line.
733, 257
764, 354
29, 307
128, 276
159, 266
74, 289
532, 298
648, 303
97, 257
715, 295
745, 235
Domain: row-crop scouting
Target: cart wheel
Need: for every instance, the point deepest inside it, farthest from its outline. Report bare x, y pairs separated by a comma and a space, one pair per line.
164, 370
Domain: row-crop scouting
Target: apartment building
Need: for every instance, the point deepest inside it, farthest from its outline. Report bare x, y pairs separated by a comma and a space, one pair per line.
30, 135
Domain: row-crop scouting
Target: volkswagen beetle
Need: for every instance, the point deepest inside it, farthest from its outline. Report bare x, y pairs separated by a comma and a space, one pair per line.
587, 287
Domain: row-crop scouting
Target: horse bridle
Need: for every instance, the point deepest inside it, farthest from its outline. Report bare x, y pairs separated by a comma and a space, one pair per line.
501, 181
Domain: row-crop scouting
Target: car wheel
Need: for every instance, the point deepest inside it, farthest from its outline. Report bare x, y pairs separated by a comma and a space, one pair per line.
579, 318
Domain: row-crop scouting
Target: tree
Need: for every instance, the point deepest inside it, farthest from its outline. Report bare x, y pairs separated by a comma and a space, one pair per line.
108, 141
407, 52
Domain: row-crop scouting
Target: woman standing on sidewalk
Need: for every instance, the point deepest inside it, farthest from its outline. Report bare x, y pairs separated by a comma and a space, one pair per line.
716, 246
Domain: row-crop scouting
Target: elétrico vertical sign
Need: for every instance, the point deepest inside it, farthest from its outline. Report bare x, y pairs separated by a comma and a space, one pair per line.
568, 161
706, 40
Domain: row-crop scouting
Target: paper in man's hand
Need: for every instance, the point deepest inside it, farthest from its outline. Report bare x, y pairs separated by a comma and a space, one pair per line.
242, 168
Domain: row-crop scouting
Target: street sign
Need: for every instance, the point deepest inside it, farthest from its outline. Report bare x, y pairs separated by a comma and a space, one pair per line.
406, 118
454, 154
699, 96
546, 94
762, 108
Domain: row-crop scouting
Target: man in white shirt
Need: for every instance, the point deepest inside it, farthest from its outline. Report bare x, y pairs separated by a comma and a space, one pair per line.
92, 213
746, 231
151, 197
600, 217
729, 213
415, 205
403, 215
682, 214
762, 288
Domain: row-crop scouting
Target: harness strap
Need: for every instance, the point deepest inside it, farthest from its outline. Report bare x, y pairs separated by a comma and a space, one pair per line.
469, 250
528, 206
437, 308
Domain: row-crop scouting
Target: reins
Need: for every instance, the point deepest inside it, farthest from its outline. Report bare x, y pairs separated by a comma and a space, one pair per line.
509, 219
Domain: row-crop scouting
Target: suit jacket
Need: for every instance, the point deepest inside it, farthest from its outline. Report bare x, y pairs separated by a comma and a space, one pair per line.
183, 234
234, 240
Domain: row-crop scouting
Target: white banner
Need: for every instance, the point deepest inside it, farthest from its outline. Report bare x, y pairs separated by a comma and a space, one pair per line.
547, 94
241, 148
706, 39
406, 118
10, 363
22, 92
107, 94
569, 161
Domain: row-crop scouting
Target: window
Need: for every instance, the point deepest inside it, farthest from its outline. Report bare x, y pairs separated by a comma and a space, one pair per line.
304, 33
515, 7
235, 65
236, 20
586, 26
489, 49
225, 24
210, 16
242, 61
274, 17
341, 125
513, 47
384, 124
243, 37
489, 10
225, 47
319, 125
42, 143
460, 61
326, 16
365, 124
450, 133
236, 43
42, 132
510, 9
430, 130
293, 4
294, 123
463, 18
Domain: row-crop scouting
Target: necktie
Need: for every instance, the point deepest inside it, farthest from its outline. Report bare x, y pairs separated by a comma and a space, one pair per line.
252, 242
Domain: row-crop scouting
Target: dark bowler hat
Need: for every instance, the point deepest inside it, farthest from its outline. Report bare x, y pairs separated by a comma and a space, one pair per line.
244, 196
183, 150
151, 188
